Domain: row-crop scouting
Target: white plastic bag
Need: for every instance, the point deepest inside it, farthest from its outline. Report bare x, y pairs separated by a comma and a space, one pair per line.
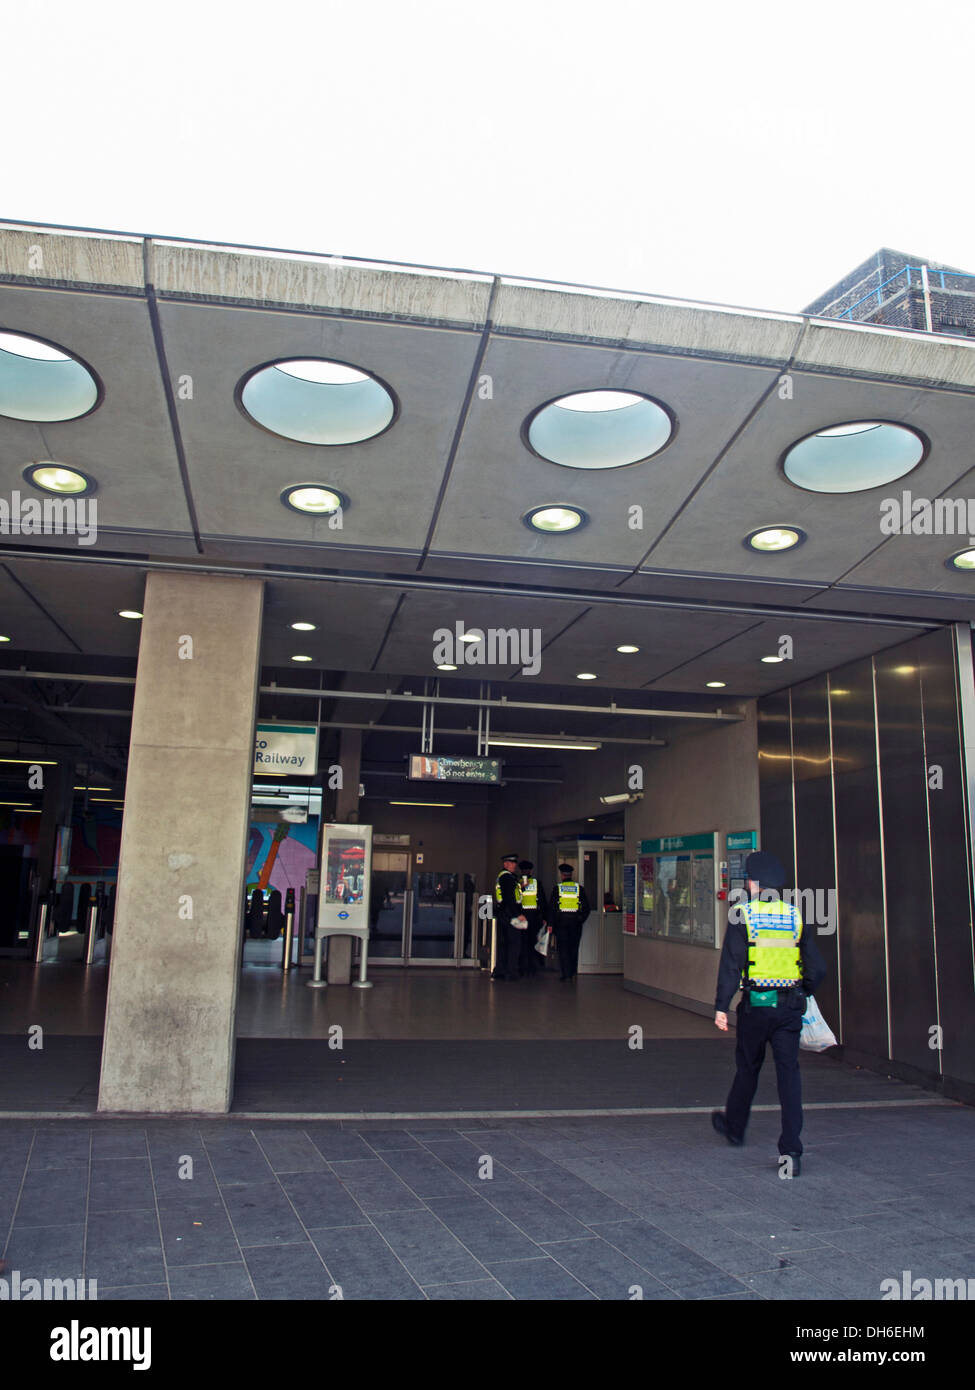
541, 945
816, 1035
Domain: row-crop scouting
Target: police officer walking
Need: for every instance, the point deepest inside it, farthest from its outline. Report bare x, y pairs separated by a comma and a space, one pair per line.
567, 912
507, 906
777, 966
533, 908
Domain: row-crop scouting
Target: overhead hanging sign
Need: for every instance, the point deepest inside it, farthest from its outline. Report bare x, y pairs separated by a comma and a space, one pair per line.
425, 768
289, 748
669, 843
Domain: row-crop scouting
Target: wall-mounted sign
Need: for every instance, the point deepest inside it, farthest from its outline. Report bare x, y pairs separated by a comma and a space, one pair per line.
667, 843
289, 748
426, 768
381, 838
742, 839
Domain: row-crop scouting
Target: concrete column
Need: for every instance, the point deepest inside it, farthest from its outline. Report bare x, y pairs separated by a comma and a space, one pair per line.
172, 995
346, 809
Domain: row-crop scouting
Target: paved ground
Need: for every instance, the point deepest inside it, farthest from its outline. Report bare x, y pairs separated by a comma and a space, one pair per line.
581, 1208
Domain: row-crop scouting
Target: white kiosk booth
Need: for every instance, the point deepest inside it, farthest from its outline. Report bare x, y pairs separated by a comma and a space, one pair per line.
343, 896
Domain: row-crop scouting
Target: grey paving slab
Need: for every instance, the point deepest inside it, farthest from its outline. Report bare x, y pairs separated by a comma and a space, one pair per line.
335, 1144
212, 1283
123, 1250
364, 1266
486, 1233
425, 1174
604, 1270
121, 1184
383, 1140
431, 1252
674, 1264
238, 1160
261, 1214
321, 1199
539, 1280
791, 1283
539, 1218
50, 1150
292, 1272
198, 1235
382, 1194
47, 1252
139, 1293
118, 1143
290, 1151
53, 1197
478, 1290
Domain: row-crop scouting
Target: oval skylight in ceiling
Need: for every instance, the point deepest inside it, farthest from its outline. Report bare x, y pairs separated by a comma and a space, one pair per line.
854, 457
41, 382
599, 429
317, 401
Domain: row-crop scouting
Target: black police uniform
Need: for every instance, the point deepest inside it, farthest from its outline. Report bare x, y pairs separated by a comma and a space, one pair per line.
568, 930
507, 937
779, 1026
529, 961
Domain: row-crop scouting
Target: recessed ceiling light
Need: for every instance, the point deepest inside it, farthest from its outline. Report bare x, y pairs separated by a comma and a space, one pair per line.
5, 639
834, 691
91, 789
853, 457
313, 499
41, 382
129, 613
716, 685
514, 742
555, 519
472, 637
599, 429
964, 560
586, 676
774, 538
317, 401
55, 477
304, 627
904, 670
627, 649
446, 666
771, 660
422, 803
302, 658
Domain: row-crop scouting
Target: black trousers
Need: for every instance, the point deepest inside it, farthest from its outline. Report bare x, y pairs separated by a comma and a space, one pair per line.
529, 961
568, 934
780, 1028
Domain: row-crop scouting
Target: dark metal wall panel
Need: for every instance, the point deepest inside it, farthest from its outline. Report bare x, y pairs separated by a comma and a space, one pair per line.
949, 852
815, 867
904, 803
775, 779
859, 870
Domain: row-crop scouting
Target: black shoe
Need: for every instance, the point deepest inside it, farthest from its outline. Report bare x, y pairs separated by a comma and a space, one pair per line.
720, 1123
796, 1163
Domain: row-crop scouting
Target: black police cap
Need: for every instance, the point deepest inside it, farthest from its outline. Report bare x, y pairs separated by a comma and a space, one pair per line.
764, 869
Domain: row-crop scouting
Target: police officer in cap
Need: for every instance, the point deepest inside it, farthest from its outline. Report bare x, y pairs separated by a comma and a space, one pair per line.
533, 908
777, 966
507, 906
567, 913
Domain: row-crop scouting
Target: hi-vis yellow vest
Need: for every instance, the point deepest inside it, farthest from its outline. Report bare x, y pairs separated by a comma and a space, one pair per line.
774, 931
568, 897
529, 893
497, 886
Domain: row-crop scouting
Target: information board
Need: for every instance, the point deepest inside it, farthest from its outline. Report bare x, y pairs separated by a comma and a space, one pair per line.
629, 899
425, 767
677, 888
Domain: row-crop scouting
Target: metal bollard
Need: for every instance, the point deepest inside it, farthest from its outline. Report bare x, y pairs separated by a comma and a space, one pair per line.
316, 981
91, 929
44, 916
289, 929
302, 926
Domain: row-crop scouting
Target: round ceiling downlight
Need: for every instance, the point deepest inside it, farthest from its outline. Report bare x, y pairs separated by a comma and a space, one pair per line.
55, 477
314, 499
775, 538
599, 429
854, 457
555, 519
963, 561
41, 382
317, 401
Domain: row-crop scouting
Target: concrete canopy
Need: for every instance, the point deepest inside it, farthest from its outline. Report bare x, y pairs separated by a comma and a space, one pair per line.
433, 531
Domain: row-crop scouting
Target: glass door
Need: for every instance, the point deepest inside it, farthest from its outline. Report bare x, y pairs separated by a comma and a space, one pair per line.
387, 906
432, 922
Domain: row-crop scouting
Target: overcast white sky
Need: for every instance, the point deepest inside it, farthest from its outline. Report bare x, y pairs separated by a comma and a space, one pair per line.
741, 153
